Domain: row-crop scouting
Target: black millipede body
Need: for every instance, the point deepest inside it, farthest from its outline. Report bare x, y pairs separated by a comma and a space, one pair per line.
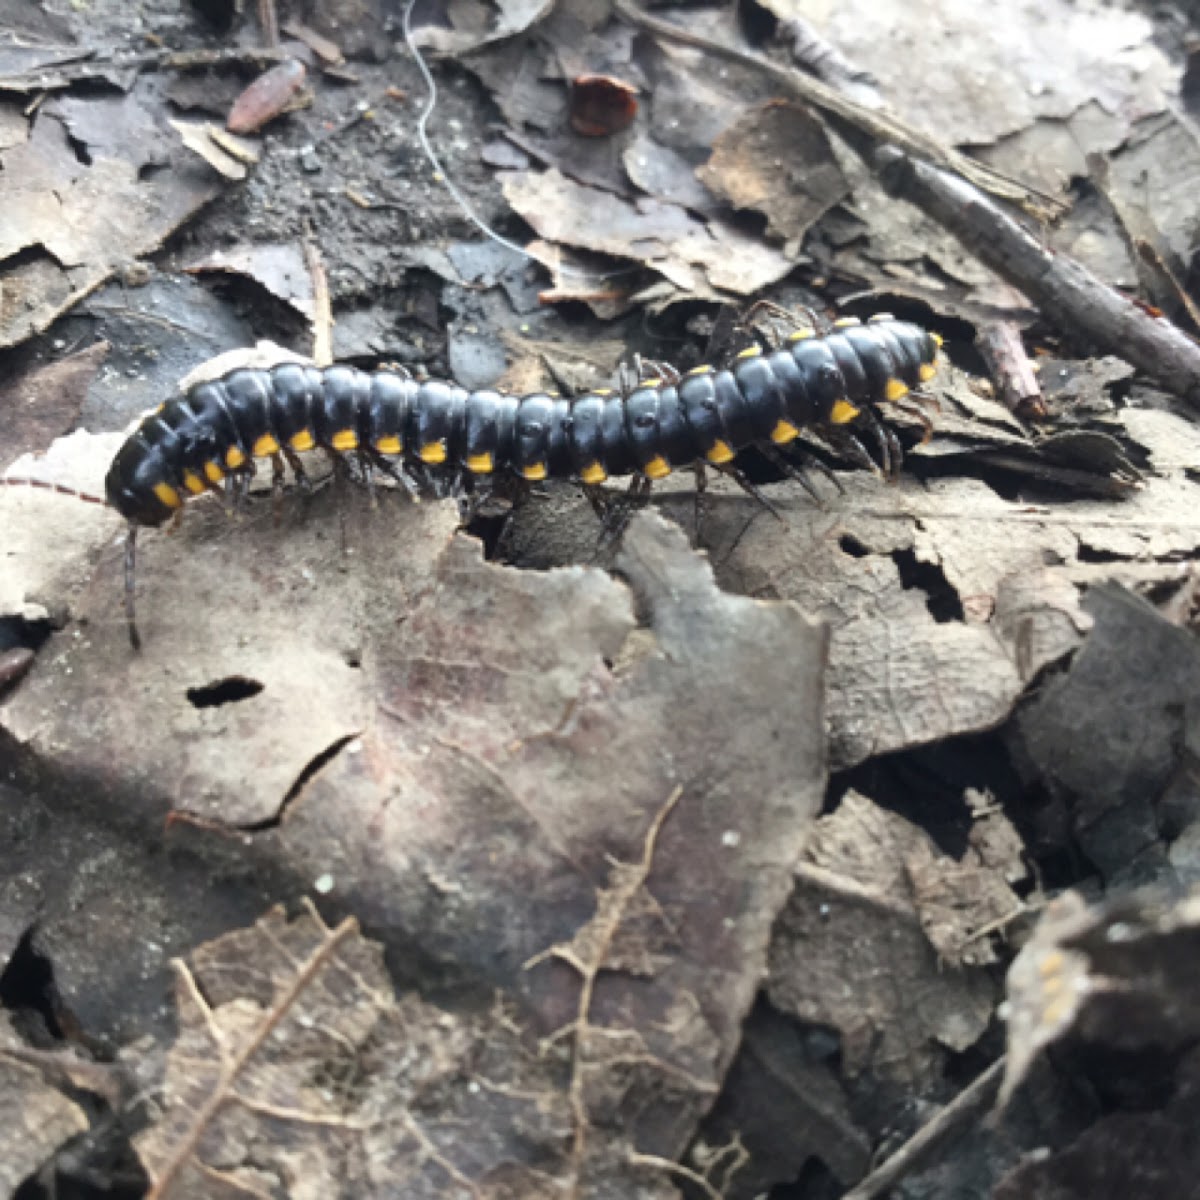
393, 422
432, 432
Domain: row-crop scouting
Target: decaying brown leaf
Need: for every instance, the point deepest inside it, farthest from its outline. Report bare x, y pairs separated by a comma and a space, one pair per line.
777, 160
39, 404
69, 221
858, 947
476, 773
700, 258
278, 267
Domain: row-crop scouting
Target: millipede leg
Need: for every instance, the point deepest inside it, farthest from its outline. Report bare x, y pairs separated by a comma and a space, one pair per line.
619, 510
699, 499
848, 446
751, 490
399, 474
368, 474
278, 478
797, 470
135, 639
302, 480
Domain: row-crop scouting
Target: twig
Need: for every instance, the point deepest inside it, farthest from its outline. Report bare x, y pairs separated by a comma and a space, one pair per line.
1016, 381
1065, 290
52, 78
966, 1107
883, 127
322, 306
269, 22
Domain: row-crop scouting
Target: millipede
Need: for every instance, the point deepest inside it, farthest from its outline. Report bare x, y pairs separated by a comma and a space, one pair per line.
431, 433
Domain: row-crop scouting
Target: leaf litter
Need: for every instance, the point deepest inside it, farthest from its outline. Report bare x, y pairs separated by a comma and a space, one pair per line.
513, 777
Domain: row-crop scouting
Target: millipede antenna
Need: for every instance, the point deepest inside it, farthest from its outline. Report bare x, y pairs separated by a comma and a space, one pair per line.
48, 485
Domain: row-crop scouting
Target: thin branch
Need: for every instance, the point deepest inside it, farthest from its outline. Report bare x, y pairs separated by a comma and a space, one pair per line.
322, 305
967, 1107
1063, 289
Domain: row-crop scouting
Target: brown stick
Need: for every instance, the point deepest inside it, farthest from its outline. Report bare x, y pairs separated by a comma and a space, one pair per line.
269, 22
966, 1107
1016, 381
1063, 289
322, 351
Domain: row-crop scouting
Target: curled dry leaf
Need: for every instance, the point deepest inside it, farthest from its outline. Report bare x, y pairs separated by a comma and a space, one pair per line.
274, 92
601, 105
699, 257
278, 267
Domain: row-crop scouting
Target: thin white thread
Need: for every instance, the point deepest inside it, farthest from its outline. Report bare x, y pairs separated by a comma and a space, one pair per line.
459, 198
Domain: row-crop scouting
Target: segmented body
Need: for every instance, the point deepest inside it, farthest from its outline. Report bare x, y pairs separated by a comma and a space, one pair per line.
193, 443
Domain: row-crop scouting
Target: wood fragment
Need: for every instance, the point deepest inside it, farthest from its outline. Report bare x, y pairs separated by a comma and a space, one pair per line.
1011, 370
326, 50
269, 21
968, 1106
322, 306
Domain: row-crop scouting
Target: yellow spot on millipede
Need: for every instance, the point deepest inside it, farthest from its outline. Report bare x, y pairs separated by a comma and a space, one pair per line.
894, 390
234, 458
534, 472
878, 318
846, 322
703, 369
720, 452
304, 440
194, 483
657, 468
784, 432
265, 446
938, 340
750, 352
433, 453
168, 495
481, 464
344, 439
213, 472
843, 412
802, 334
388, 444
926, 371
593, 473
